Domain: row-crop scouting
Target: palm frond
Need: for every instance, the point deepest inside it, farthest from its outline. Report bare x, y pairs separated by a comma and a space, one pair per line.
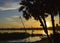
21, 8
26, 15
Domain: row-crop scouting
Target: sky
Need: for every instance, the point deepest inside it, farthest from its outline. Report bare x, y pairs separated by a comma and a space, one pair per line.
9, 16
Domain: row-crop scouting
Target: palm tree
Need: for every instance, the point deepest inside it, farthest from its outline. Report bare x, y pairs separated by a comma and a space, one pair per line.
52, 10
34, 8
59, 17
59, 12
57, 3
30, 10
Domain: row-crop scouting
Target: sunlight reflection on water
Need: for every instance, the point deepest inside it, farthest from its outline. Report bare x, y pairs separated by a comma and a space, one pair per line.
29, 39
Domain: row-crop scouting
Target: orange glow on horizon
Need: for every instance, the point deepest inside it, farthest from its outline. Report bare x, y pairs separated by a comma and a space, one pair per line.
31, 23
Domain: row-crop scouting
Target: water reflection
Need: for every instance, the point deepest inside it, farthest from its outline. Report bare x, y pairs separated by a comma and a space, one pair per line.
29, 39
28, 31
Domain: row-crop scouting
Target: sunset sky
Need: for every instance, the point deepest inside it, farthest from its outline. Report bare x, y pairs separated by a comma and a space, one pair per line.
9, 16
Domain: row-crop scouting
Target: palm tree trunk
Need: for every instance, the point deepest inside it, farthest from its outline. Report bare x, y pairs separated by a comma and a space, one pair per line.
45, 23
45, 29
59, 14
23, 24
59, 17
53, 24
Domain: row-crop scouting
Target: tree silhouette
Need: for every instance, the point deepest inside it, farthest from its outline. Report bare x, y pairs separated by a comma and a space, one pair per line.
34, 8
57, 3
52, 7
59, 18
38, 8
52, 10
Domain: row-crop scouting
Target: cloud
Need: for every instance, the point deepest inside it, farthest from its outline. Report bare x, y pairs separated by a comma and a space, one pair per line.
12, 19
11, 22
10, 6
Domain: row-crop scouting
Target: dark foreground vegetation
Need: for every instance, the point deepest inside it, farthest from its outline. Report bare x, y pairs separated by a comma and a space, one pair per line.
55, 38
13, 36
17, 36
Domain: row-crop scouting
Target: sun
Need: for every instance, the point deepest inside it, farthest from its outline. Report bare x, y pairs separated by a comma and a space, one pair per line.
48, 24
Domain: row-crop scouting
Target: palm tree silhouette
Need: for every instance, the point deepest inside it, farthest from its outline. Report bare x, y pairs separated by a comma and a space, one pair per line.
34, 8
59, 18
52, 7
38, 8
22, 21
57, 3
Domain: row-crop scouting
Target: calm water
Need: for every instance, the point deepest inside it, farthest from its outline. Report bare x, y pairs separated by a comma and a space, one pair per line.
28, 31
29, 39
